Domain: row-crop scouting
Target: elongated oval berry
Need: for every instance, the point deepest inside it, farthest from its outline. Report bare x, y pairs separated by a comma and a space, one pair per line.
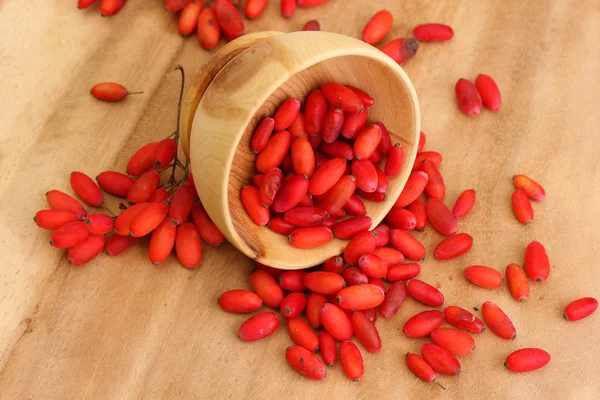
456, 342
115, 183
332, 125
312, 25
327, 348
366, 175
537, 264
366, 99
315, 302
123, 221
433, 156
86, 250
99, 224
58, 200
327, 175
382, 233
440, 217
525, 360
208, 28
337, 149
117, 244
468, 97
406, 244
351, 227
110, 91
418, 209
86, 189
442, 361
293, 305
517, 282
258, 327
534, 190
251, 201
393, 164
464, 203
292, 281
254, 8
422, 141
262, 133
400, 218
69, 235
302, 334
297, 129
373, 266
333, 264
483, 276
181, 204
367, 141
425, 293
433, 33
498, 321
489, 92
377, 197
401, 49
522, 207
355, 206
351, 360
377, 27
382, 181
420, 368
453, 246
324, 282
354, 276
293, 191
286, 114
315, 109
164, 153
142, 160
310, 237
239, 301
580, 308
270, 185
415, 185
363, 243
209, 232
274, 152
162, 241
435, 187
144, 187
267, 288
353, 123
402, 272
423, 323
303, 157
366, 332
281, 226
336, 322
229, 19
342, 97
188, 19
148, 218
304, 361
54, 219
389, 255
336, 198
176, 5
188, 246
360, 297
463, 319
394, 298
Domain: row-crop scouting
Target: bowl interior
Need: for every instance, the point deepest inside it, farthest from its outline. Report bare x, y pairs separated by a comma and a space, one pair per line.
395, 105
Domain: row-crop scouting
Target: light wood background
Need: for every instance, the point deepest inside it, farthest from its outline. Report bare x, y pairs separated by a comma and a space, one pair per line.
124, 329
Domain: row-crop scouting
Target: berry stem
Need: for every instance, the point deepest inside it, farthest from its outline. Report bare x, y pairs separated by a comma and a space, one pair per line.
176, 133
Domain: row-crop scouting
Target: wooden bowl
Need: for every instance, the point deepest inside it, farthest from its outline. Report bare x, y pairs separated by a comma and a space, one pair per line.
246, 81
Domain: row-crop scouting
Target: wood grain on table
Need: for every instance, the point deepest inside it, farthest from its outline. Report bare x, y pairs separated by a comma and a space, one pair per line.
120, 328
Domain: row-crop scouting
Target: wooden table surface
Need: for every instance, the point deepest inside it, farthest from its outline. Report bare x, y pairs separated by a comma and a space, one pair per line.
120, 328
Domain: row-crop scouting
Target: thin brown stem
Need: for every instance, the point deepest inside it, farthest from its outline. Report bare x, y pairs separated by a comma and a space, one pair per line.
176, 133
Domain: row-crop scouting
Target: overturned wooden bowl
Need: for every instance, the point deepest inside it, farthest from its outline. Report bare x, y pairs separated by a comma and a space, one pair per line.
246, 81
